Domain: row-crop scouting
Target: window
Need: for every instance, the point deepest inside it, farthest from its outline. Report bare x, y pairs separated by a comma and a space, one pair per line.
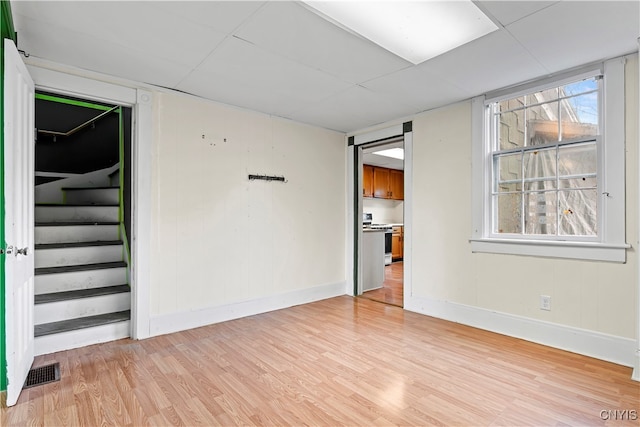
549, 167
545, 169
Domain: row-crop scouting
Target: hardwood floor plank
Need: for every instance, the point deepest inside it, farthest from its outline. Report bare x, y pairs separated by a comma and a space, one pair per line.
342, 361
392, 290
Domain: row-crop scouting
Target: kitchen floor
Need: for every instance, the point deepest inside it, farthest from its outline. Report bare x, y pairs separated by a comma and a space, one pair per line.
392, 287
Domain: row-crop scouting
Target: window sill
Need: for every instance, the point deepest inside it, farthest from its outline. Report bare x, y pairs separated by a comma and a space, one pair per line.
553, 249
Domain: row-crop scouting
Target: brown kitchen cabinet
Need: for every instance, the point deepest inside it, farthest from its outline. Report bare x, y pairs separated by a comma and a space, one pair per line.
397, 243
381, 183
387, 183
396, 184
367, 181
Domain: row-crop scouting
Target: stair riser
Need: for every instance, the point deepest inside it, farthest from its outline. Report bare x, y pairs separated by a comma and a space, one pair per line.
82, 337
82, 307
115, 178
77, 213
76, 256
60, 282
76, 233
100, 196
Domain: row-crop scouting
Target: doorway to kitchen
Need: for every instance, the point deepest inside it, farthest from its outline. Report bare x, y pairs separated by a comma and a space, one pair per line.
381, 172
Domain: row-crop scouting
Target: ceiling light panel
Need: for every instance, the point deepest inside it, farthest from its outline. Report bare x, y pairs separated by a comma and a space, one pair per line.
413, 30
394, 153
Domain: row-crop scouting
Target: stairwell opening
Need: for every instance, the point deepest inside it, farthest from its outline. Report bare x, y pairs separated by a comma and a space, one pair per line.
83, 222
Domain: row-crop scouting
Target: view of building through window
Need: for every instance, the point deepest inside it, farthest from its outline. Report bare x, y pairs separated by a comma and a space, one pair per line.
545, 161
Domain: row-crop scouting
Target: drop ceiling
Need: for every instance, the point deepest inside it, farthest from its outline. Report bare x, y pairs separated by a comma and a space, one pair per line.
279, 58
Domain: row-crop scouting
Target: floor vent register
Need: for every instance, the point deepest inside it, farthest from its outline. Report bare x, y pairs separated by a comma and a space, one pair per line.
43, 375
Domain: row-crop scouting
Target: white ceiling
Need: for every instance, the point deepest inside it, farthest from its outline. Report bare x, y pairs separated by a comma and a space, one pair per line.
279, 58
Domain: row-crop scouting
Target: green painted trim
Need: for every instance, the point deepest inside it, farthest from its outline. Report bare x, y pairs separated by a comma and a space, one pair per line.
7, 31
121, 174
60, 100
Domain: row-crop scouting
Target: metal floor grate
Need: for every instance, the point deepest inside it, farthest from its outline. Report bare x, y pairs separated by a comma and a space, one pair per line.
43, 375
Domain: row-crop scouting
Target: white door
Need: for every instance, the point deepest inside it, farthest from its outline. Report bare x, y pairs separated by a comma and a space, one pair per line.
19, 145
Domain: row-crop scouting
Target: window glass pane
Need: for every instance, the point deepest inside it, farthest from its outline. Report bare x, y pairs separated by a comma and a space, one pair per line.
578, 159
511, 129
581, 182
579, 87
540, 169
578, 212
540, 212
543, 96
579, 116
509, 167
503, 187
511, 104
509, 213
542, 124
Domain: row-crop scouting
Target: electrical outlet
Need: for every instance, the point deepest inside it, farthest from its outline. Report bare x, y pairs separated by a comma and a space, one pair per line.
545, 302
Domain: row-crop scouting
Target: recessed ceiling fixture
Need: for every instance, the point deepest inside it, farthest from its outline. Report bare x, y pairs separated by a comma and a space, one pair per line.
413, 30
396, 153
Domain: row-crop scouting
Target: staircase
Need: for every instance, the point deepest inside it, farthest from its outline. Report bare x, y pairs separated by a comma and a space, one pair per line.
82, 295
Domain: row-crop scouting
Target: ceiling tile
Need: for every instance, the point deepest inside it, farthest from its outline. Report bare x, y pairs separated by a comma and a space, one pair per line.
573, 33
291, 30
257, 79
223, 16
508, 12
360, 104
496, 60
140, 26
85, 51
418, 87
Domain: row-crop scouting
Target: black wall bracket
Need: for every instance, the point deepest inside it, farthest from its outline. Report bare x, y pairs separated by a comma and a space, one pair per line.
267, 178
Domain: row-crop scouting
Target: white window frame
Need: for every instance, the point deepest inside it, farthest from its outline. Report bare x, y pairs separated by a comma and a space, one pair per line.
610, 244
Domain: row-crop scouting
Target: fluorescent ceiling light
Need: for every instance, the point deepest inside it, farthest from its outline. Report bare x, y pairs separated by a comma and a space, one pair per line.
396, 153
413, 30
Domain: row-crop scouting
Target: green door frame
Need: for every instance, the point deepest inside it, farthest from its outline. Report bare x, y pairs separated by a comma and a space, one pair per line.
7, 31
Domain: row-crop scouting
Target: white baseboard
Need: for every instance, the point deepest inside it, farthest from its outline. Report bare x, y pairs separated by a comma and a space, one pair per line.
180, 321
619, 350
636, 367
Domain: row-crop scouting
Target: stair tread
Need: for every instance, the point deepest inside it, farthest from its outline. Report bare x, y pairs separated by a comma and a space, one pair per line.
81, 267
110, 187
72, 223
81, 323
78, 244
81, 293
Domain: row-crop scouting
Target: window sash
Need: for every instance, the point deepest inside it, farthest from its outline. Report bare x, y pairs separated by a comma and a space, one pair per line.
557, 189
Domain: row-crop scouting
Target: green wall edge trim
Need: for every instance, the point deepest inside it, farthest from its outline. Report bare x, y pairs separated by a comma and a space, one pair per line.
7, 31
52, 98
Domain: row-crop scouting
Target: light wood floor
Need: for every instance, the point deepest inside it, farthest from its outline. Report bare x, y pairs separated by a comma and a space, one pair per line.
392, 288
342, 361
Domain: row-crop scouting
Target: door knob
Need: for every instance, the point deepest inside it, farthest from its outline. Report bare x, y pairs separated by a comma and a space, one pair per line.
22, 251
9, 250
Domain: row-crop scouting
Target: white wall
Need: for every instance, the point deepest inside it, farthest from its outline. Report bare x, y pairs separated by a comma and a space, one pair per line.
384, 211
595, 301
220, 239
